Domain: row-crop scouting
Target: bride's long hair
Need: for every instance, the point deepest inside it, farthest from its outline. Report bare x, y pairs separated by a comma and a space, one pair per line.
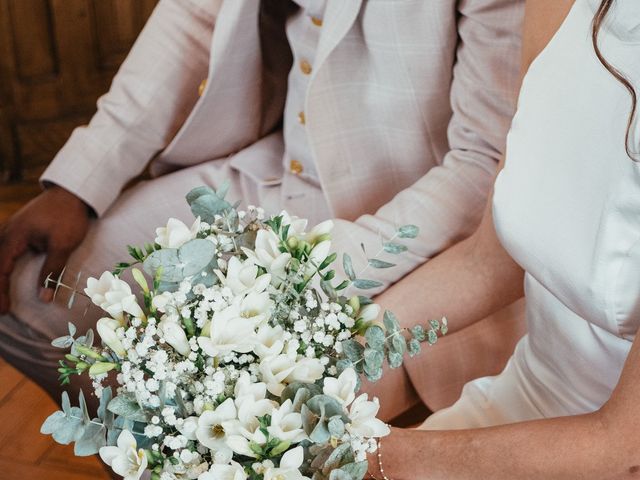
603, 10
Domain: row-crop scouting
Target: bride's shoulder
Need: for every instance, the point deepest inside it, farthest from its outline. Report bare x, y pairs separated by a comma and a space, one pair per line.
543, 18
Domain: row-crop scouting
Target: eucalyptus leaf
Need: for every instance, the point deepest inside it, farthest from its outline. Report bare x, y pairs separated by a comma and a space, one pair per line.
177, 264
398, 343
342, 365
373, 359
352, 349
375, 337
348, 266
62, 342
198, 192
92, 440
418, 333
208, 206
336, 427
375, 263
363, 284
390, 322
337, 457
394, 248
432, 337
356, 470
127, 407
72, 329
414, 347
340, 475
408, 231
394, 358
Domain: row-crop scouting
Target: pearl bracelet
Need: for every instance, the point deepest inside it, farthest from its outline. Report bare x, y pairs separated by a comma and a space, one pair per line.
379, 455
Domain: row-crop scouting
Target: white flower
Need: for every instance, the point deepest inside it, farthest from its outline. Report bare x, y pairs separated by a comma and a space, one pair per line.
342, 388
370, 312
289, 468
224, 472
306, 370
363, 418
256, 306
322, 230
160, 302
286, 424
242, 277
174, 335
267, 254
229, 332
125, 459
318, 255
176, 233
245, 390
249, 426
189, 427
214, 427
269, 341
275, 370
297, 225
109, 292
106, 328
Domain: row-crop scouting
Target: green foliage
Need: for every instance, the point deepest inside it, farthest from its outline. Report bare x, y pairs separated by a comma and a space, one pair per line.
347, 264
207, 203
408, 231
394, 248
127, 407
175, 264
363, 284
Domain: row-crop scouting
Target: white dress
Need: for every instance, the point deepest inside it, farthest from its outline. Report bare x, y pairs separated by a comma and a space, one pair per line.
567, 209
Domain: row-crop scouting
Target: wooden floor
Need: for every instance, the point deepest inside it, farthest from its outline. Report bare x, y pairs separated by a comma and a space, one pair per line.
25, 454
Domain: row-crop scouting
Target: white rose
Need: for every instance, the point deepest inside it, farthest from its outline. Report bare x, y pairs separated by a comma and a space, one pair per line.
176, 233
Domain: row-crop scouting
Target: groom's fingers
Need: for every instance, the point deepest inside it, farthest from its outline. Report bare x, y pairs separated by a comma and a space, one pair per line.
12, 246
51, 269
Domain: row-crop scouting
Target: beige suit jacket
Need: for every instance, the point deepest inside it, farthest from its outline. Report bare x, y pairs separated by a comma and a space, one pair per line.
407, 110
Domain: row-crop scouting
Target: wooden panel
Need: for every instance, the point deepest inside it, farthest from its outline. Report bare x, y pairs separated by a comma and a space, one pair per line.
56, 58
33, 39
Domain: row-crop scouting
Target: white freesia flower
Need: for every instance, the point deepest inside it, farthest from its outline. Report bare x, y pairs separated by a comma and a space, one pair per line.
269, 341
297, 226
229, 332
249, 427
306, 370
267, 254
125, 459
106, 328
109, 293
342, 388
318, 255
242, 277
174, 335
225, 472
245, 390
189, 427
176, 233
256, 307
289, 468
369, 313
162, 301
363, 418
215, 427
319, 231
275, 370
286, 424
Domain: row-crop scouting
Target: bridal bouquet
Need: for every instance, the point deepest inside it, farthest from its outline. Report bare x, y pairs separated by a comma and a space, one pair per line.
241, 356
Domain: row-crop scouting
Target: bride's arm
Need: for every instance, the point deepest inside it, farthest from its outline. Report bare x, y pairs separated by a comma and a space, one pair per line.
476, 277
599, 445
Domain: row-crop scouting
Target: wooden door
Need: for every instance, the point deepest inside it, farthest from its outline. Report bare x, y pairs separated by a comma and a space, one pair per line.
56, 58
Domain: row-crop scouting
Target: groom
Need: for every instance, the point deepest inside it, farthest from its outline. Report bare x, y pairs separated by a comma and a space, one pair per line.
374, 113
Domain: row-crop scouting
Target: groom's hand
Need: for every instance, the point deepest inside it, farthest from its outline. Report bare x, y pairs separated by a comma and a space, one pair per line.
54, 223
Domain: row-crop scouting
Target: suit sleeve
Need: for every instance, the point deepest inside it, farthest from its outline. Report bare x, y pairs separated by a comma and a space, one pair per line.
448, 202
149, 99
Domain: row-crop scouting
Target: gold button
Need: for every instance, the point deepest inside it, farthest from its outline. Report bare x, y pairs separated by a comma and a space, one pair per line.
316, 21
202, 86
305, 67
296, 167
301, 118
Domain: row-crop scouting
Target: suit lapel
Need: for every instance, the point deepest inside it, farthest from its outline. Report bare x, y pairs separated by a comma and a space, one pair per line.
338, 19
